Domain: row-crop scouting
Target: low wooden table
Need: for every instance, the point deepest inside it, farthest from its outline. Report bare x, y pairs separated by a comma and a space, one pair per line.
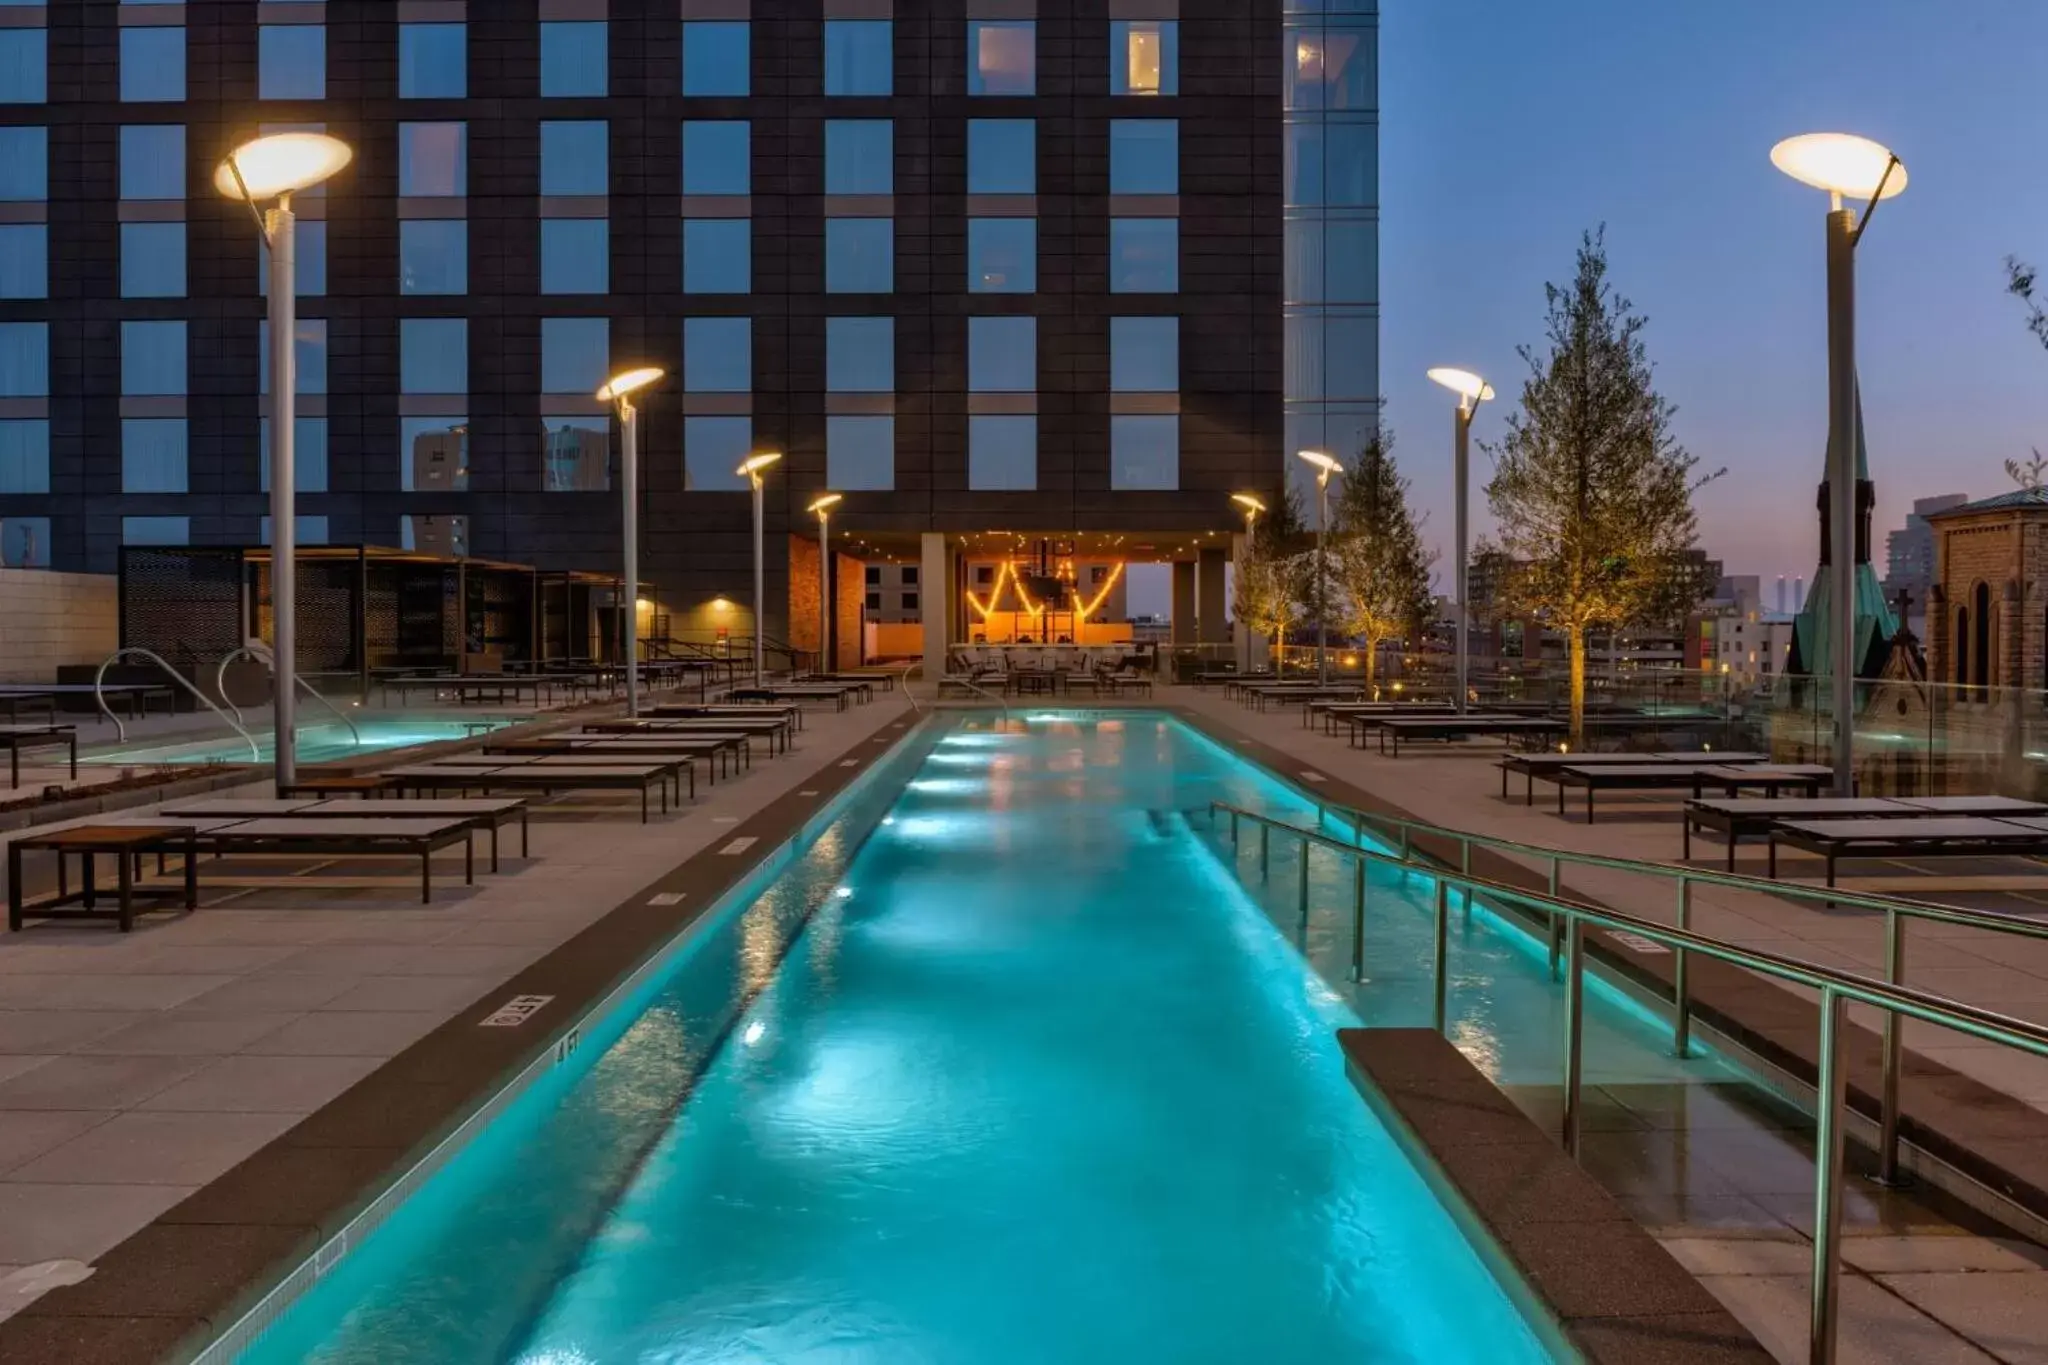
126, 843
15, 738
342, 784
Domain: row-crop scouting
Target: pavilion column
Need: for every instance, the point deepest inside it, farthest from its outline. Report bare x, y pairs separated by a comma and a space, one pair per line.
936, 598
1183, 602
1209, 597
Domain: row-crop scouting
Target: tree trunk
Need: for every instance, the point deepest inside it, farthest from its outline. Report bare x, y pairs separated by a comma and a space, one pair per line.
1372, 660
1577, 636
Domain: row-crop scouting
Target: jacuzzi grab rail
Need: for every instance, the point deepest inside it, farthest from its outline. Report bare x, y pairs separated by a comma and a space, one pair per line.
1837, 989
262, 656
99, 695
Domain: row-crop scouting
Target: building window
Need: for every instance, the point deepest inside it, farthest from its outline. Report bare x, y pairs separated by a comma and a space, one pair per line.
433, 159
984, 573
858, 57
1332, 260
1144, 355
718, 355
152, 260
306, 530
712, 450
309, 258
860, 156
25, 456
575, 157
152, 65
291, 62
153, 456
860, 355
433, 256
1144, 156
1002, 57
433, 355
860, 452
1334, 164
1002, 453
1331, 67
153, 161
575, 354
156, 530
1144, 57
309, 356
576, 454
24, 261
873, 575
435, 535
1144, 255
860, 255
25, 542
717, 157
24, 360
909, 601
575, 256
909, 576
25, 163
153, 360
1002, 255
1144, 452
24, 66
1002, 156
874, 598
1330, 355
715, 58
1002, 355
573, 59
433, 62
433, 454
309, 456
718, 255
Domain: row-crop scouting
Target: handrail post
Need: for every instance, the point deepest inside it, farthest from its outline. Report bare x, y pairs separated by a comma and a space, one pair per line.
1681, 986
1556, 922
1829, 1098
1440, 961
1574, 1028
1465, 870
1358, 919
1894, 1025
1233, 830
1304, 881
1265, 849
1405, 851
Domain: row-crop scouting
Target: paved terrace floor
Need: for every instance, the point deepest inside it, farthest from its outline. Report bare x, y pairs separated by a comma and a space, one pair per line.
136, 1068
1722, 1178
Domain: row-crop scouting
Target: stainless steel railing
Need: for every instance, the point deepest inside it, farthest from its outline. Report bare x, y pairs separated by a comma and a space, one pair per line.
1837, 989
1897, 911
99, 695
220, 686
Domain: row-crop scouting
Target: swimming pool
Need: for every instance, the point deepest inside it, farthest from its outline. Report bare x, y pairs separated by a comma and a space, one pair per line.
316, 743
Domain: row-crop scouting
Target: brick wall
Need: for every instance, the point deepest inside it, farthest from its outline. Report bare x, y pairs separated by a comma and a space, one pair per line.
47, 619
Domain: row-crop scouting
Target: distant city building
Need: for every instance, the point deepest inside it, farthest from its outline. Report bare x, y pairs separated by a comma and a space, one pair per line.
1732, 635
1909, 556
1985, 626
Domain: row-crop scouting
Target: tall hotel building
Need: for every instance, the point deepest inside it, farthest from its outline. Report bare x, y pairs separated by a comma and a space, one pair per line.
1031, 282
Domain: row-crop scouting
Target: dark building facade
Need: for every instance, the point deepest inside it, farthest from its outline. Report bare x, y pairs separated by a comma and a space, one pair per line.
1049, 266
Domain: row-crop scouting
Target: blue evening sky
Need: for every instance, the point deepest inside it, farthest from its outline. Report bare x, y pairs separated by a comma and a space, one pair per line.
1508, 126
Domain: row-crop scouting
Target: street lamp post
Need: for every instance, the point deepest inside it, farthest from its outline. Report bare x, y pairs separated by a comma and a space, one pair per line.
1855, 168
1326, 468
1252, 507
822, 506
269, 170
1471, 391
752, 468
619, 391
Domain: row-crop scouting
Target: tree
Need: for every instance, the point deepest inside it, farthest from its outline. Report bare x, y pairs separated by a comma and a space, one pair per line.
1267, 588
1380, 569
2019, 282
1592, 493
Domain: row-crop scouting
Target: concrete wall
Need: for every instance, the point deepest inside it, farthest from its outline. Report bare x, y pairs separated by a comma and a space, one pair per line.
47, 619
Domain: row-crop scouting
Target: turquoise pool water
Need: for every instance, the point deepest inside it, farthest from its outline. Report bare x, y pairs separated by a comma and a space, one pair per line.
1006, 1068
316, 743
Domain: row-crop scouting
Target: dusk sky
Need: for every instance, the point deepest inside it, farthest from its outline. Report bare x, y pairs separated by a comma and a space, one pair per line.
1508, 127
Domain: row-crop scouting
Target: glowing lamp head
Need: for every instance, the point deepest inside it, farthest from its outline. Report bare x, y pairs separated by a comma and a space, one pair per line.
1251, 505
1463, 383
1326, 464
753, 466
631, 381
1841, 163
280, 163
825, 502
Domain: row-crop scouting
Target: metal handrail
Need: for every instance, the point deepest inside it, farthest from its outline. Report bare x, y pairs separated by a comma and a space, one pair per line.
99, 695
1837, 988
220, 676
1893, 908
903, 683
